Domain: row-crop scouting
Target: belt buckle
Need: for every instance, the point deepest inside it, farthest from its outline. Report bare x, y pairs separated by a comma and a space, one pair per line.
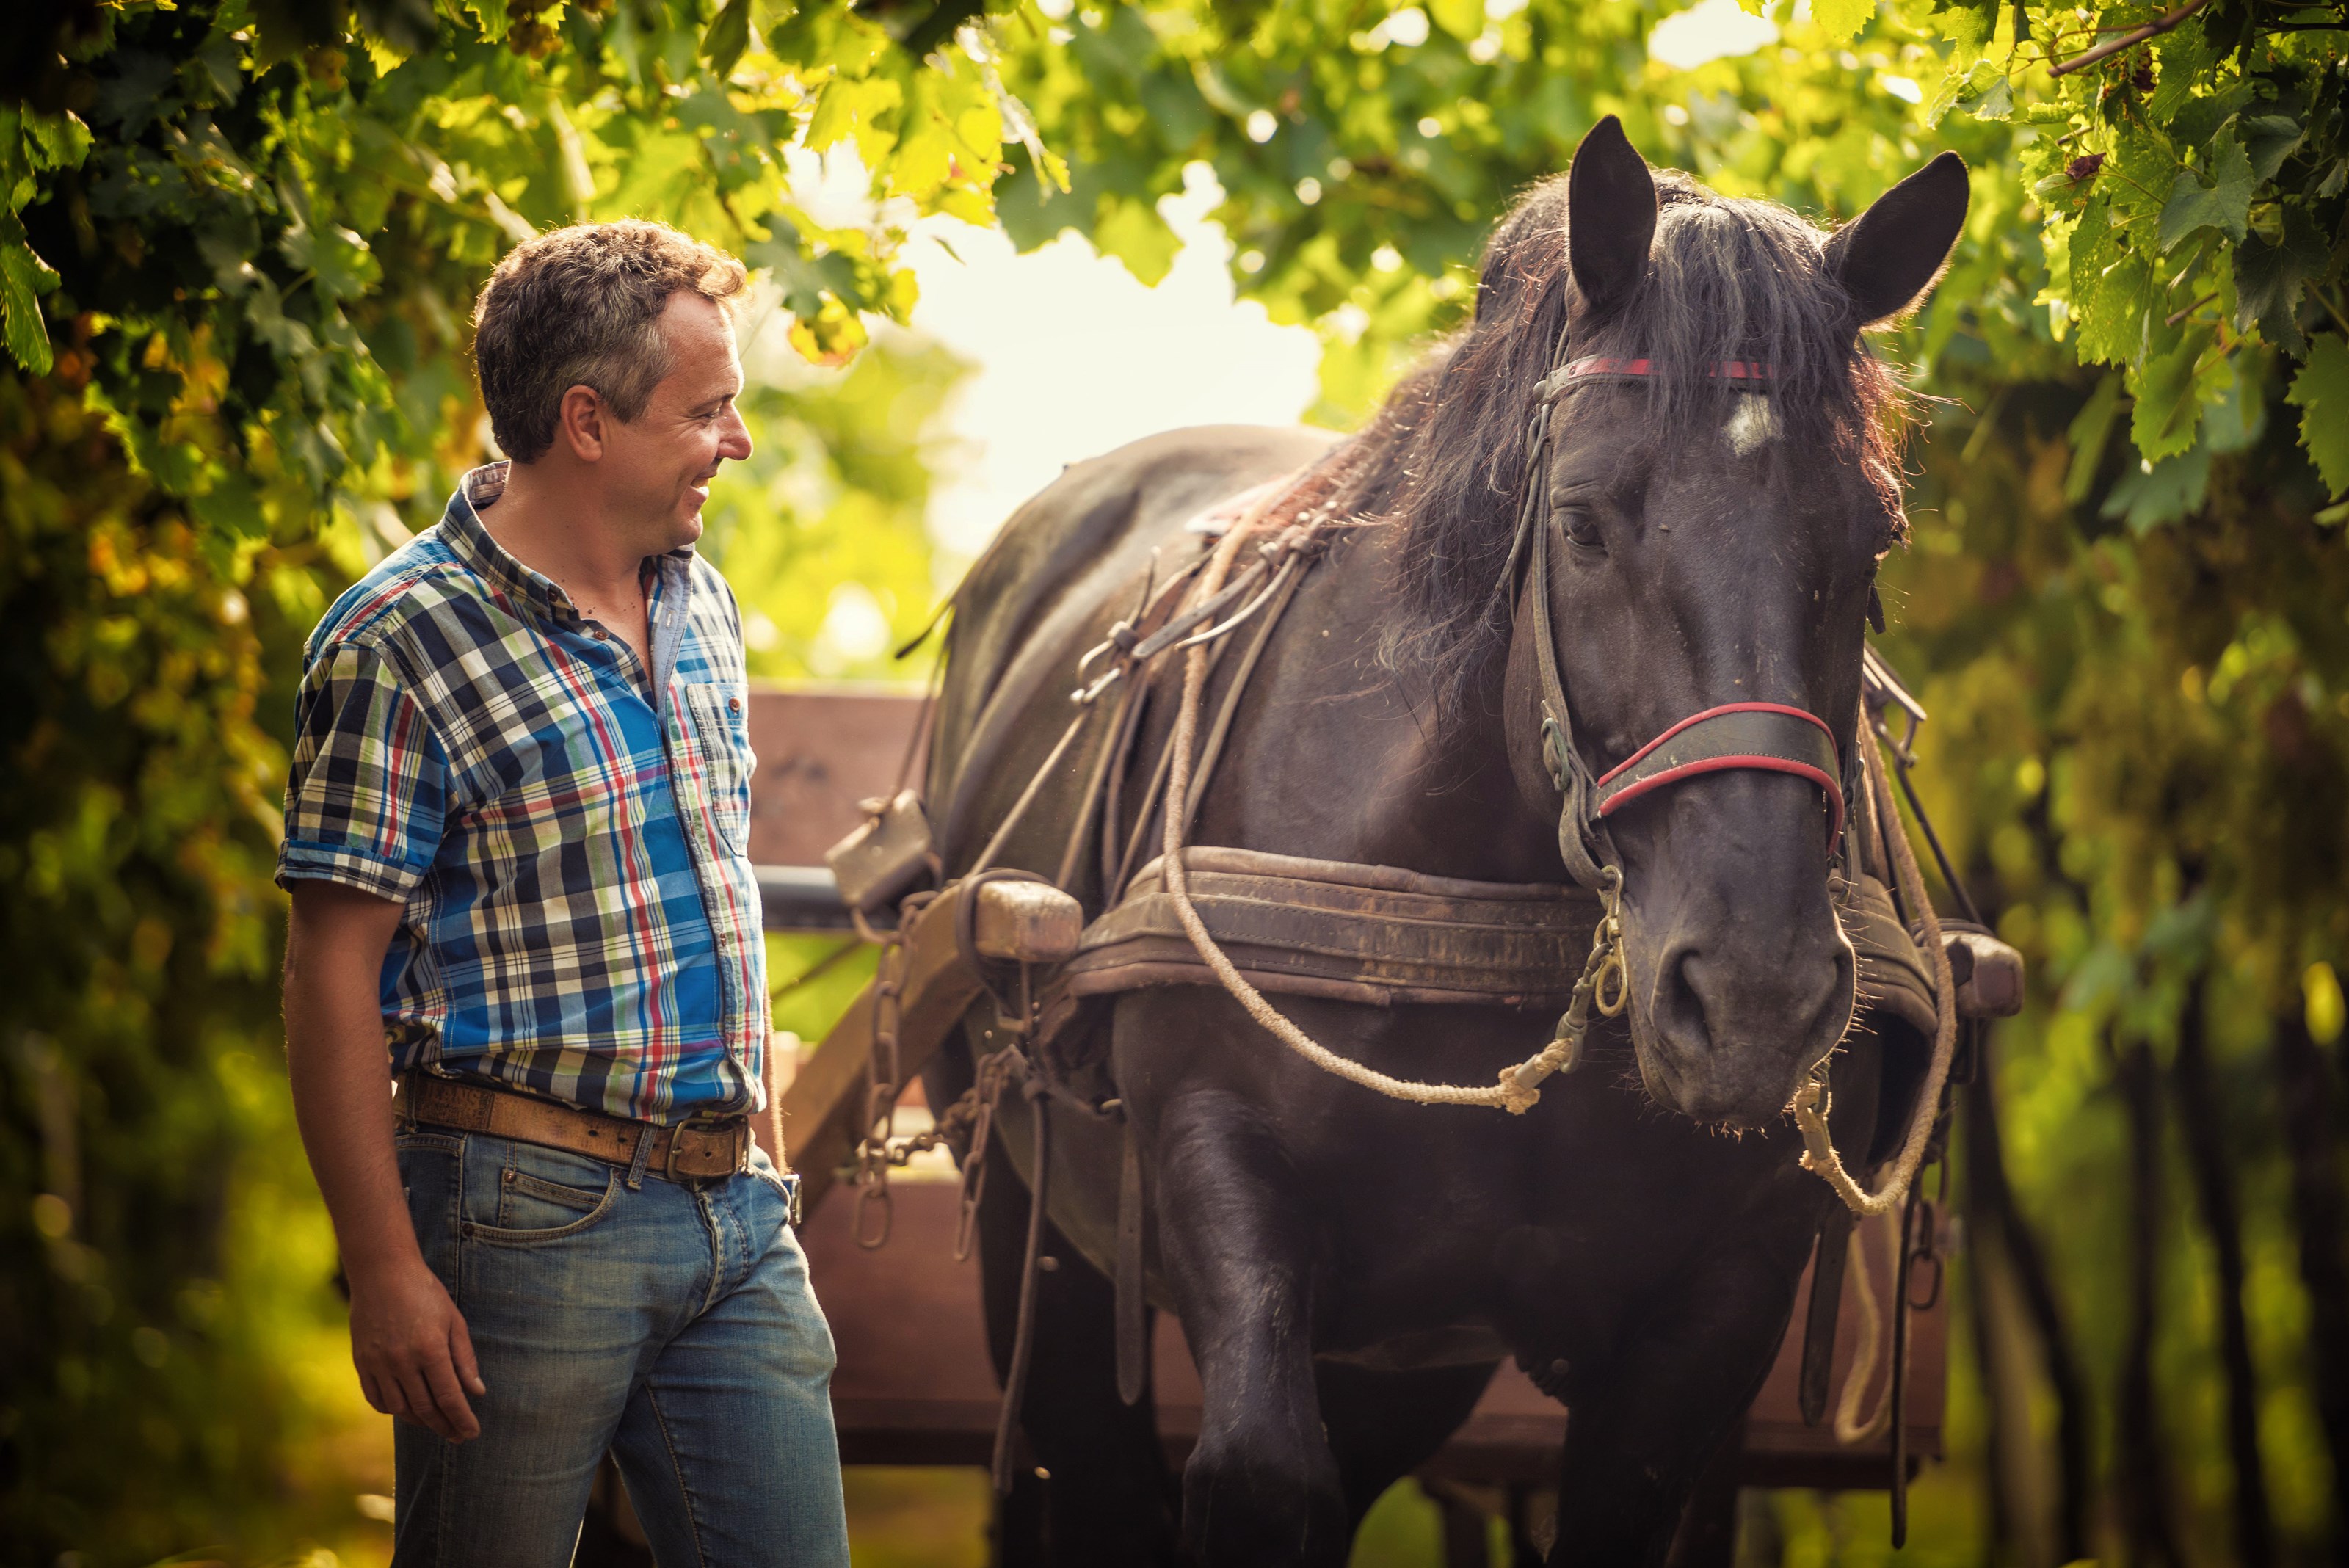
675, 1144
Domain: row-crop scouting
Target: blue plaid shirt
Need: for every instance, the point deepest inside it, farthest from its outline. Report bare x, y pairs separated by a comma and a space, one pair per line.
581, 917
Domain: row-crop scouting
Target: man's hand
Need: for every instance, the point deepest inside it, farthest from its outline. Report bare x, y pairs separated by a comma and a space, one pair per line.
414, 1356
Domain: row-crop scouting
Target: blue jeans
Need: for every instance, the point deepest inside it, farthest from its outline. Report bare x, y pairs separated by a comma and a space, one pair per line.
670, 1322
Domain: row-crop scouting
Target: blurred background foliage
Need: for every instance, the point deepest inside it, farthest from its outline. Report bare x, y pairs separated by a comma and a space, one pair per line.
240, 242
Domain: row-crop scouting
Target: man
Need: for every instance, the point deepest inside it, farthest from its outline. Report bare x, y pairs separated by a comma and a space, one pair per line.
515, 837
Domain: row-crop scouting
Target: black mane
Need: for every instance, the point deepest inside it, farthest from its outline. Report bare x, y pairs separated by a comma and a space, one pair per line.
1444, 457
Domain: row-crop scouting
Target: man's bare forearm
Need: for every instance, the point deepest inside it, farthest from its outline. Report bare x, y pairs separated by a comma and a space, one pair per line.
410, 1343
341, 1077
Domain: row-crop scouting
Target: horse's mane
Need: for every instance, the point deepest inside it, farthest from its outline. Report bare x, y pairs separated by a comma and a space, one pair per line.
1444, 458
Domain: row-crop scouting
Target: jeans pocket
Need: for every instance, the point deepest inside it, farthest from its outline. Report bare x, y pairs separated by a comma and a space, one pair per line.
518, 1194
431, 1178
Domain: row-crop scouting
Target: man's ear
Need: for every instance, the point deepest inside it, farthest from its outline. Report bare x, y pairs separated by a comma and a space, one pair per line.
579, 423
1889, 256
1611, 217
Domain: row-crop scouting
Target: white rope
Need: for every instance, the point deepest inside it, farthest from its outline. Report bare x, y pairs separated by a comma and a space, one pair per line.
1849, 1427
1513, 1092
1812, 1101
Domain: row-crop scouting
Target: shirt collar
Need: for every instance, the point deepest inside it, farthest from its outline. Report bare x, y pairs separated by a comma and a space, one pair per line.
473, 543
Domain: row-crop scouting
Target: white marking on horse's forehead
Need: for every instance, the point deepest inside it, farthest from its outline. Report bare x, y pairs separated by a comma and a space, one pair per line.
1751, 426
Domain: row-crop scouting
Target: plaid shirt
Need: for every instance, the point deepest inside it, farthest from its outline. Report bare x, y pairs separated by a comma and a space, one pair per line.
582, 920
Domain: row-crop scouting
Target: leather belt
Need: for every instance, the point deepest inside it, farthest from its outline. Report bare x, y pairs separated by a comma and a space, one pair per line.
691, 1150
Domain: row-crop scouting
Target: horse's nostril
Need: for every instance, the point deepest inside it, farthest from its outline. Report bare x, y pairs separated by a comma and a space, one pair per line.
1680, 1010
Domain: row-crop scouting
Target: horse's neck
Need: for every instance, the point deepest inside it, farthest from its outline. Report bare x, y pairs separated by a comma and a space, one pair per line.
1352, 753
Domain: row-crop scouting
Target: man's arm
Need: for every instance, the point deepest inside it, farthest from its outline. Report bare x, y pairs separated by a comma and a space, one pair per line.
414, 1358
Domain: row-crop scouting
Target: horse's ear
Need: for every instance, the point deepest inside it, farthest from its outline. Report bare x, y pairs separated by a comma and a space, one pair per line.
1611, 215
1890, 257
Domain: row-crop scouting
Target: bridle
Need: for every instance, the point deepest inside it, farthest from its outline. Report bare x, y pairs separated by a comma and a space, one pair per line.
1762, 737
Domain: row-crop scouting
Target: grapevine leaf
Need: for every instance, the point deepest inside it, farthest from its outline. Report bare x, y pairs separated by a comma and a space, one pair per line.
728, 36
2270, 279
2270, 139
2152, 493
1135, 235
2112, 313
2186, 58
24, 277
2225, 204
1842, 19
1463, 19
2168, 410
2320, 393
2091, 431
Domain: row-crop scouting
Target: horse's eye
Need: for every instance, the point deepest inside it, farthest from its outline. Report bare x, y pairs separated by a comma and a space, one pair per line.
1580, 525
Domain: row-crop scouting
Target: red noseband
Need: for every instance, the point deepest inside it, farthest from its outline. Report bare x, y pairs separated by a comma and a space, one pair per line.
1765, 737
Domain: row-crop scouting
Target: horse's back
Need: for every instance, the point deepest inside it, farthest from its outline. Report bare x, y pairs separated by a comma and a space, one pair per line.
1060, 554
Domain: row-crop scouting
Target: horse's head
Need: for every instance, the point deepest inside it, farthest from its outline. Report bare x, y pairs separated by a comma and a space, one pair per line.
1713, 546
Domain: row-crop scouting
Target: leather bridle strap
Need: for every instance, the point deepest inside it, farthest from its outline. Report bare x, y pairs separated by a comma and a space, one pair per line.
1765, 737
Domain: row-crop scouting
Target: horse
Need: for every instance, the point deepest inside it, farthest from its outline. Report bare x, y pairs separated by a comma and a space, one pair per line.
1349, 1271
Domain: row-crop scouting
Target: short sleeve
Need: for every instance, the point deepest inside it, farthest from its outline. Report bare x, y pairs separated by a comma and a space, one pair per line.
368, 795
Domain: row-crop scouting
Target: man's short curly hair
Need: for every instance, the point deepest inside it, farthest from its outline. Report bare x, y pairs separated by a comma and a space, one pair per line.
581, 308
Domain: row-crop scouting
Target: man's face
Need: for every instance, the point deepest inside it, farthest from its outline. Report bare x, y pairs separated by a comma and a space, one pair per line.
657, 467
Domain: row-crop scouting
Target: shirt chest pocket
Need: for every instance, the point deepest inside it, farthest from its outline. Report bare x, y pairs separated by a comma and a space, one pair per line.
717, 729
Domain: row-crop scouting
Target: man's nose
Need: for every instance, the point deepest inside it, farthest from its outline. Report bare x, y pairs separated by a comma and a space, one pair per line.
736, 442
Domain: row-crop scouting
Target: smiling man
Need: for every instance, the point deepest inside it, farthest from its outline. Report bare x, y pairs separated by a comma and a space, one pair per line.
516, 838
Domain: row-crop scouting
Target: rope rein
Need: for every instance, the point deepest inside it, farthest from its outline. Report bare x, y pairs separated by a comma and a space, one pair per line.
1517, 1090
1813, 1101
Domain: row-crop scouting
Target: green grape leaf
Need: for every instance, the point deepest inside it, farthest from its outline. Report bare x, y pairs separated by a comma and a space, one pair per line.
2320, 393
1842, 19
2271, 278
2152, 493
728, 36
2090, 432
23, 278
2224, 205
2186, 58
1135, 235
2269, 140
1463, 19
2168, 409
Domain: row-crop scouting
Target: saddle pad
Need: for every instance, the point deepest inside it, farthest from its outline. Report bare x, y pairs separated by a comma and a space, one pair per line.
1380, 935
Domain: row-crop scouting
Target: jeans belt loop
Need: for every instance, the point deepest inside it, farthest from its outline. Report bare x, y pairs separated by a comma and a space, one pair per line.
643, 1157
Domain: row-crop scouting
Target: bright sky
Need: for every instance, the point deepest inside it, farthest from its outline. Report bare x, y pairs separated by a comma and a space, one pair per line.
1709, 30
1074, 357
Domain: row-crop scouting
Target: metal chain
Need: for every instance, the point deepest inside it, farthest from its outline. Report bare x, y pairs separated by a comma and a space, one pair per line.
881, 1083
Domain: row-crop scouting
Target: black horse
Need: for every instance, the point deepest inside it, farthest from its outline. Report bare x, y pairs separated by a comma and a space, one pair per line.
1348, 1270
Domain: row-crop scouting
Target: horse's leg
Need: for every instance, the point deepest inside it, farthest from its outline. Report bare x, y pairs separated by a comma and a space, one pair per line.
1384, 1425
1262, 1487
1641, 1428
1106, 1493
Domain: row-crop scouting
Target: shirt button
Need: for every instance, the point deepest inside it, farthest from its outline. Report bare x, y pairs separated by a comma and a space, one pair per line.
733, 704
598, 633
